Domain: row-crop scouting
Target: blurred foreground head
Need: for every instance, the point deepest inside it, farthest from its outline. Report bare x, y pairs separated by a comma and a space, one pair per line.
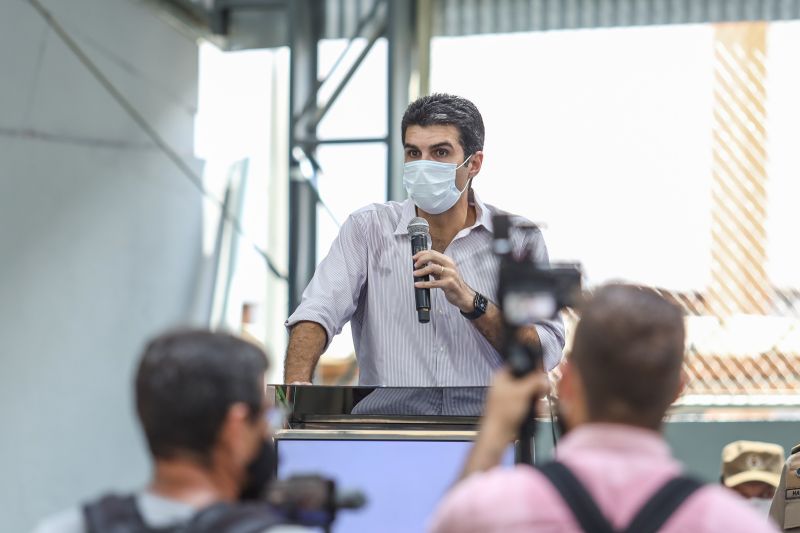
627, 357
199, 395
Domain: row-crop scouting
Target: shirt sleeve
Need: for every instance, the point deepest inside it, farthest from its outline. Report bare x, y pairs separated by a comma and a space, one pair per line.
331, 297
551, 332
497, 500
456, 513
68, 521
716, 508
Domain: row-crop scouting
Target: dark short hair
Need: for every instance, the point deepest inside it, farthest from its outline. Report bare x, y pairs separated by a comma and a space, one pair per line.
448, 110
628, 349
185, 384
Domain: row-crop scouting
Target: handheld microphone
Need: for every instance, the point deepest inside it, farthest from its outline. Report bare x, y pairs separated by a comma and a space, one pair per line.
418, 230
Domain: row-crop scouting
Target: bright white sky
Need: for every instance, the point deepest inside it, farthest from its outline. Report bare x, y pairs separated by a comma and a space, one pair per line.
604, 137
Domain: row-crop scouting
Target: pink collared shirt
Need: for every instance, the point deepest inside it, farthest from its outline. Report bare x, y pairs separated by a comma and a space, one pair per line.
620, 466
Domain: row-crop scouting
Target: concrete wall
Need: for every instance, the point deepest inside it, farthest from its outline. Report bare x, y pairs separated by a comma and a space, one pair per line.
100, 243
698, 445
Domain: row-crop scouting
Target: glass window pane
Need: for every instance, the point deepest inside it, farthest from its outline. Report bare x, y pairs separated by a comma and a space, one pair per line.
360, 109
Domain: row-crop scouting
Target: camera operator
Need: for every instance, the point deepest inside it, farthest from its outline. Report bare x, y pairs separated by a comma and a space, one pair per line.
624, 371
200, 400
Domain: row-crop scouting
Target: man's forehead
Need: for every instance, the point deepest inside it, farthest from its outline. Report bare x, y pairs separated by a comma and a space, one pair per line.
432, 135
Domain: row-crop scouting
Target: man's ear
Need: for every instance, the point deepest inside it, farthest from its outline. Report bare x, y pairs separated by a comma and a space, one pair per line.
475, 163
570, 395
234, 428
683, 381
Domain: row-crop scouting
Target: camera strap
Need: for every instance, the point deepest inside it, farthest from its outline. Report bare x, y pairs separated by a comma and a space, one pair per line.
119, 514
253, 517
650, 517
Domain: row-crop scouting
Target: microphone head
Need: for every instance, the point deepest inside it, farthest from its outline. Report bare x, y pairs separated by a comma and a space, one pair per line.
418, 226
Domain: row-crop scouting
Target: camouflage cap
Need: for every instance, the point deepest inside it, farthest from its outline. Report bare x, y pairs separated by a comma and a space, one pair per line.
746, 460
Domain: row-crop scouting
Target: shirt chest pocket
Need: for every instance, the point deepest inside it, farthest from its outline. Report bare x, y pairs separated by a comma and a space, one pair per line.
390, 277
389, 259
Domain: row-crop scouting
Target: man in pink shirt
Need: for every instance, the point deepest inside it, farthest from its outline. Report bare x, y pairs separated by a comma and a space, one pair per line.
624, 371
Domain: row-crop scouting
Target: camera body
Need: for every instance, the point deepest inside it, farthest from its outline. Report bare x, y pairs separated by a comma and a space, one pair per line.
312, 500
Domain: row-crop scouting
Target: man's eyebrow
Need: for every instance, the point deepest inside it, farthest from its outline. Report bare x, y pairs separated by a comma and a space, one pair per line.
443, 144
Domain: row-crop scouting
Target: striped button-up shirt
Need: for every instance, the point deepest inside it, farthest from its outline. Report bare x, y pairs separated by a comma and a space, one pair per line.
367, 279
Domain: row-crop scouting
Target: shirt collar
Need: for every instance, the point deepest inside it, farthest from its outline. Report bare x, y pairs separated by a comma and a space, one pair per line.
482, 215
409, 211
620, 438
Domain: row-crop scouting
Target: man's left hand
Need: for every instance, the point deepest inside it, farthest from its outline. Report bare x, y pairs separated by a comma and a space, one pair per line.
444, 275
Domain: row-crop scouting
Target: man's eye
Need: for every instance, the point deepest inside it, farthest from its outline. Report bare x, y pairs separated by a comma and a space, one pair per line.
412, 153
441, 152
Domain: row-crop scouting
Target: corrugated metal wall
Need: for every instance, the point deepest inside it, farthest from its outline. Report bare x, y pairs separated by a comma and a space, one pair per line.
467, 17
464, 17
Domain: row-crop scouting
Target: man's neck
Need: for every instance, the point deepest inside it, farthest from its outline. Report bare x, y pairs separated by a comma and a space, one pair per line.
188, 482
445, 226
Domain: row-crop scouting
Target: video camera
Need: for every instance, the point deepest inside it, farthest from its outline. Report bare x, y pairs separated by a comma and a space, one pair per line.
529, 292
312, 500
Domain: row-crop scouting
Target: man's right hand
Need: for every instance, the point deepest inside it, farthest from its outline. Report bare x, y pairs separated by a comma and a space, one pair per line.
508, 402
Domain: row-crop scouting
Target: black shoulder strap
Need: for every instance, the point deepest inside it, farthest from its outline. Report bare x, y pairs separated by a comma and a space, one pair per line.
234, 518
662, 504
119, 514
650, 517
584, 508
113, 514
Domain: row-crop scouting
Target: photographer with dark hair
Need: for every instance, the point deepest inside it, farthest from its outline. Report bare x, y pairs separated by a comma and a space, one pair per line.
200, 399
367, 277
614, 471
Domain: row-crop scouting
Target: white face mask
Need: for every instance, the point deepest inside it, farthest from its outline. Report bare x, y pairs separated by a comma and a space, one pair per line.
761, 505
432, 185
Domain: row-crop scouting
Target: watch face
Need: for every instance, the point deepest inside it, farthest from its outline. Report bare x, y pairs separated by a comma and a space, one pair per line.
480, 303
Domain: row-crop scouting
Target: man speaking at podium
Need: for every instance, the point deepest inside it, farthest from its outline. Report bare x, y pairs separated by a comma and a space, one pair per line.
368, 275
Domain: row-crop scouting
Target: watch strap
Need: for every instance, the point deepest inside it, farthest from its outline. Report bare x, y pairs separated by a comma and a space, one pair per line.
480, 303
